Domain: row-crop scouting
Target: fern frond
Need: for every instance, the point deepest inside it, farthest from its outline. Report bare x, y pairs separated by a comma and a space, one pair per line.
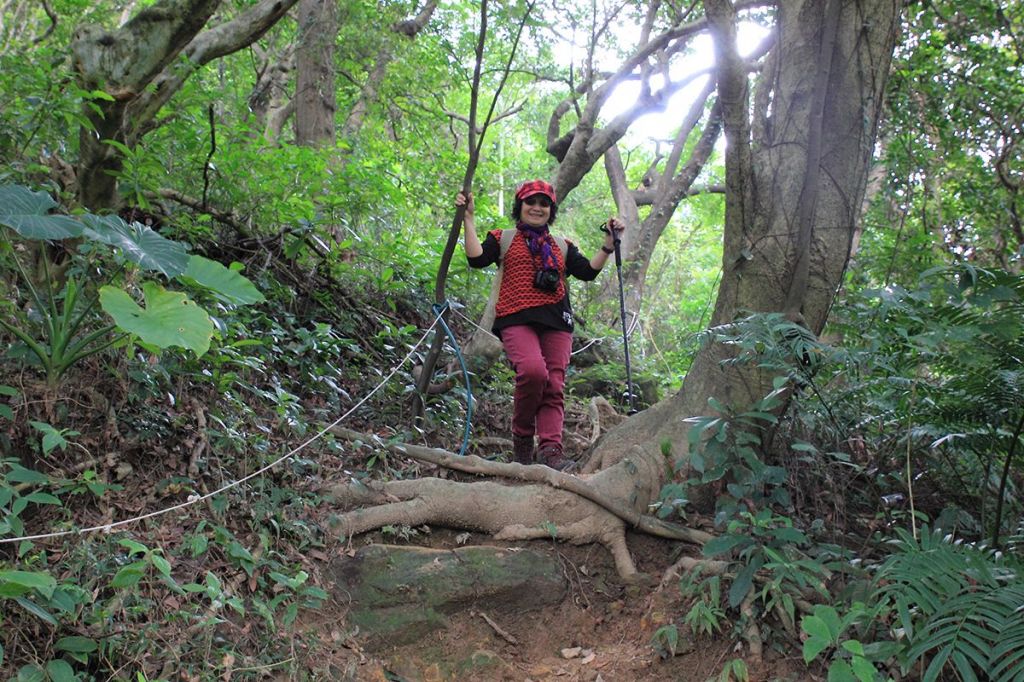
960, 605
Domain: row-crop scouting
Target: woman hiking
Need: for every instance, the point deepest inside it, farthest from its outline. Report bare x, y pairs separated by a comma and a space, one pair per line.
533, 315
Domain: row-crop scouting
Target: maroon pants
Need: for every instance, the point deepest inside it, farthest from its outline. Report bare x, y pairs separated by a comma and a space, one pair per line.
539, 357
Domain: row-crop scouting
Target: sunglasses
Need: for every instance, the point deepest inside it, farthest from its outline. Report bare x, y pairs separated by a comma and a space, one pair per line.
537, 200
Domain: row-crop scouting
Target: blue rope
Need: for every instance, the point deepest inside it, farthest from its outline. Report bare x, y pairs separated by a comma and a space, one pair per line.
440, 310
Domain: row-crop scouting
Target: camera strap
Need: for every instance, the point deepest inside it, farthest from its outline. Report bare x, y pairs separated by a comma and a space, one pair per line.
503, 246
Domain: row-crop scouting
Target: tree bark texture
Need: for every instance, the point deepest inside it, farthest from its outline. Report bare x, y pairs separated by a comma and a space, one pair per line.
548, 507
797, 163
315, 102
269, 101
136, 65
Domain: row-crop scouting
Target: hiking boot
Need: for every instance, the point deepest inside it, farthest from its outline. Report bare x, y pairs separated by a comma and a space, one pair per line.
552, 456
522, 449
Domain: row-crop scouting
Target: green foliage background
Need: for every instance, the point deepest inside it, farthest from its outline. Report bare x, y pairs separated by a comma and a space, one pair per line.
907, 411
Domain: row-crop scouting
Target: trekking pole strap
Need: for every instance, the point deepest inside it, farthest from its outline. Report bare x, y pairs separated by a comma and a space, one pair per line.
440, 310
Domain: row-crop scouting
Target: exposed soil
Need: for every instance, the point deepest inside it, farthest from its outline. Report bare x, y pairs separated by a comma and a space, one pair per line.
602, 630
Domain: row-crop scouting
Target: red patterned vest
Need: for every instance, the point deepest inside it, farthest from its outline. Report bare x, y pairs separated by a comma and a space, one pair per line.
517, 291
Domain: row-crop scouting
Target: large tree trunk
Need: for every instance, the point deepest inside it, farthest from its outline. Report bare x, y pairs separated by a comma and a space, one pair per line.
314, 81
269, 101
796, 173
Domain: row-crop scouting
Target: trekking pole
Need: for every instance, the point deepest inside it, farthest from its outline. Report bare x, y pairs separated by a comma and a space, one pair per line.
622, 314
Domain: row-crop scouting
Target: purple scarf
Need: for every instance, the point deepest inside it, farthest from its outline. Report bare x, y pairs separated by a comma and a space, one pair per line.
541, 243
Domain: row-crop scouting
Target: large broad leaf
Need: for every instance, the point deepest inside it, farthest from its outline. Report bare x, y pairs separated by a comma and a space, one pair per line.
225, 283
139, 244
25, 212
169, 319
13, 583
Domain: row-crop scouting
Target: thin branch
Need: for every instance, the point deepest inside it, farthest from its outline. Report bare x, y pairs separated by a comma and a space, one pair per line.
209, 157
474, 144
53, 23
229, 218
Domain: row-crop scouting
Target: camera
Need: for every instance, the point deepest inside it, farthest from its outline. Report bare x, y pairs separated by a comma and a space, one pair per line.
546, 279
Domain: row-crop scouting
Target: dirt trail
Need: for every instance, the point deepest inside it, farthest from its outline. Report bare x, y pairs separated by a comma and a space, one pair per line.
601, 631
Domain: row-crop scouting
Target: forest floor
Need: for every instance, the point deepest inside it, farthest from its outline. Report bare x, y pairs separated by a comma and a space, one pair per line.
602, 630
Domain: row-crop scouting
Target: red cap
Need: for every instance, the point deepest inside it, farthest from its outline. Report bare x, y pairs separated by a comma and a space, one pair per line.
528, 189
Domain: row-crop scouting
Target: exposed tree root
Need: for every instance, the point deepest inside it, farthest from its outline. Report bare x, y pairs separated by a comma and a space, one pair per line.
603, 417
753, 631
569, 508
688, 563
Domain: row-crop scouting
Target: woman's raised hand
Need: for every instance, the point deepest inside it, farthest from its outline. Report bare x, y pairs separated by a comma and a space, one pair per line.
461, 200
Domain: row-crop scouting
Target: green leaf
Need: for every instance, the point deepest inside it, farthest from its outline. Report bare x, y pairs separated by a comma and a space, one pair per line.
789, 535
169, 318
812, 647
43, 583
717, 406
59, 671
935, 667
53, 440
290, 614
36, 610
226, 284
19, 474
742, 583
863, 669
854, 647
830, 617
963, 667
68, 597
25, 212
31, 673
139, 244
816, 628
723, 544
129, 575
133, 546
755, 416
314, 594
840, 671
43, 498
161, 564
77, 645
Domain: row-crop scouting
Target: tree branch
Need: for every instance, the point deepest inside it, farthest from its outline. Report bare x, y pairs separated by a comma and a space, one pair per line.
53, 23
229, 37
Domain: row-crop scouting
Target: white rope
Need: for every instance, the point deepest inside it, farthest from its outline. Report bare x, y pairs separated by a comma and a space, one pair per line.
463, 316
195, 499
